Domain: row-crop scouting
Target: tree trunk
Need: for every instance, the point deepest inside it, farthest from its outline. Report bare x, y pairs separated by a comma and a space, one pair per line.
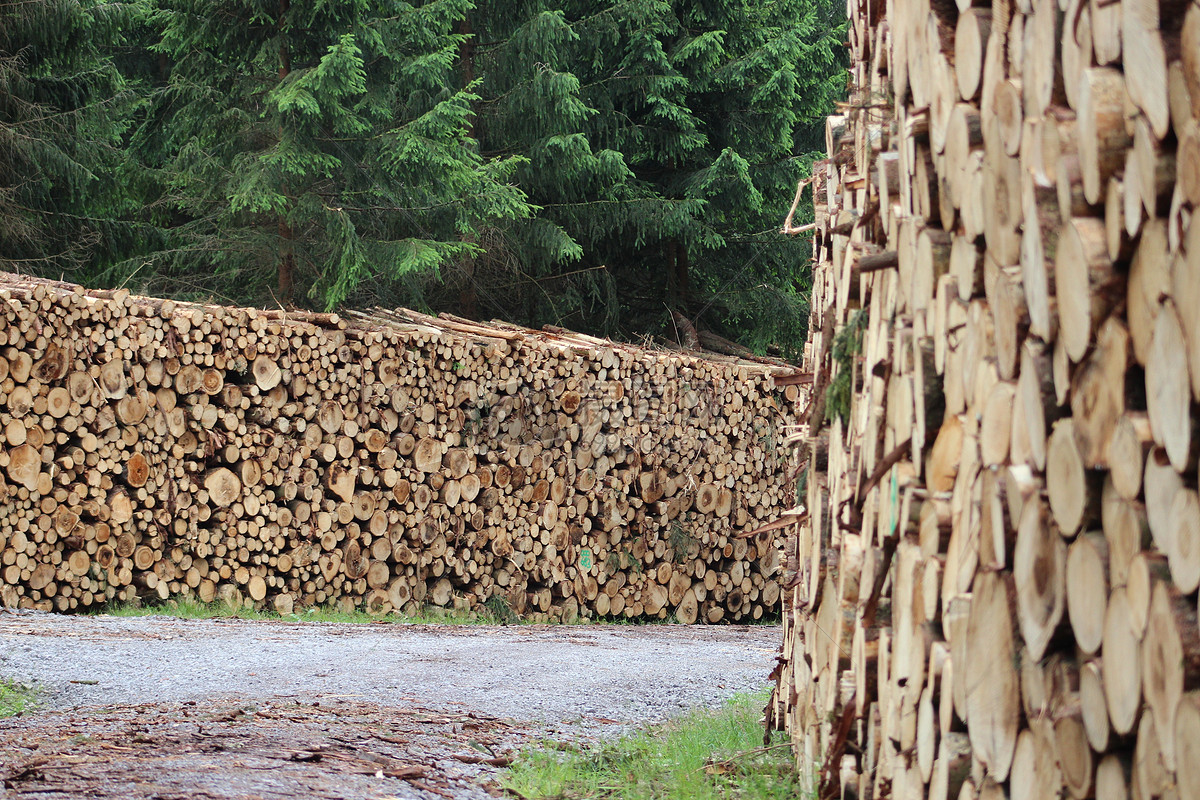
468, 300
679, 275
287, 257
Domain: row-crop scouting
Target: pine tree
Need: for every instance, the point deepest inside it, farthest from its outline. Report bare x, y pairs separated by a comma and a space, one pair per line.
316, 151
63, 108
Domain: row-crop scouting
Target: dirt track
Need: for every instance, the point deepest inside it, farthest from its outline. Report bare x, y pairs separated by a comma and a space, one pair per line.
160, 707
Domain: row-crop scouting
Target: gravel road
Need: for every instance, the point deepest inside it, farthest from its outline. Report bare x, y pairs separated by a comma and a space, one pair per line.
103, 677
561, 677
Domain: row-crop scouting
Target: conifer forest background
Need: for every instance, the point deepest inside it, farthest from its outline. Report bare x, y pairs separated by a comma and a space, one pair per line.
593, 164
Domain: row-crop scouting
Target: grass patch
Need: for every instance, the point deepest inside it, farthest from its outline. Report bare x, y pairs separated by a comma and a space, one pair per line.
704, 755
16, 698
190, 608
494, 612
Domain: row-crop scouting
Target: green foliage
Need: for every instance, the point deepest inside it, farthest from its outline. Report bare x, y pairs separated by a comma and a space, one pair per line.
847, 345
663, 164
681, 540
304, 151
500, 611
706, 754
16, 698
598, 164
62, 111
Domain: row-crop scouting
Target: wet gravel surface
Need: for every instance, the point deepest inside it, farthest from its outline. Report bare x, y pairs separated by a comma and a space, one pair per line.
316, 697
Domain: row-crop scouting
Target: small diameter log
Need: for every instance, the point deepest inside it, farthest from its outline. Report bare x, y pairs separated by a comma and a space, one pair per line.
1190, 52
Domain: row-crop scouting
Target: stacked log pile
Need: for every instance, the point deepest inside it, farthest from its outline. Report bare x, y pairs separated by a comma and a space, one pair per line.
385, 461
992, 590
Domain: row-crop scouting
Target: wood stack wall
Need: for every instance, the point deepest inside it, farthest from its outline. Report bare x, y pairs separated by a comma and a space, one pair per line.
384, 461
992, 589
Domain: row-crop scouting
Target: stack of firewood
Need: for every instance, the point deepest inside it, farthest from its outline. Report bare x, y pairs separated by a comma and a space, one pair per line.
385, 461
993, 589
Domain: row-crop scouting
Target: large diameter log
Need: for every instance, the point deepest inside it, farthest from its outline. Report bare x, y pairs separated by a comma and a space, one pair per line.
993, 697
1097, 393
970, 42
1168, 389
224, 488
1039, 573
1086, 282
25, 466
1186, 744
1149, 281
340, 482
1185, 292
1122, 671
1074, 495
1101, 128
1145, 62
1035, 770
1087, 590
1190, 51
1170, 656
267, 374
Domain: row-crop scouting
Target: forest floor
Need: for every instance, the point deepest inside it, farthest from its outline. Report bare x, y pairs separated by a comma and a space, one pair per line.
160, 707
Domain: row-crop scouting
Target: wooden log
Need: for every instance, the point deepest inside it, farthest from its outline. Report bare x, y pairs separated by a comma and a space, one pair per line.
1102, 137
992, 701
1145, 62
1185, 292
1039, 574
1170, 656
970, 42
1087, 591
1168, 395
1086, 283
1122, 674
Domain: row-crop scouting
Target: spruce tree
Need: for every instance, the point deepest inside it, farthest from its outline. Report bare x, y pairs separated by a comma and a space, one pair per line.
63, 108
663, 141
308, 152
